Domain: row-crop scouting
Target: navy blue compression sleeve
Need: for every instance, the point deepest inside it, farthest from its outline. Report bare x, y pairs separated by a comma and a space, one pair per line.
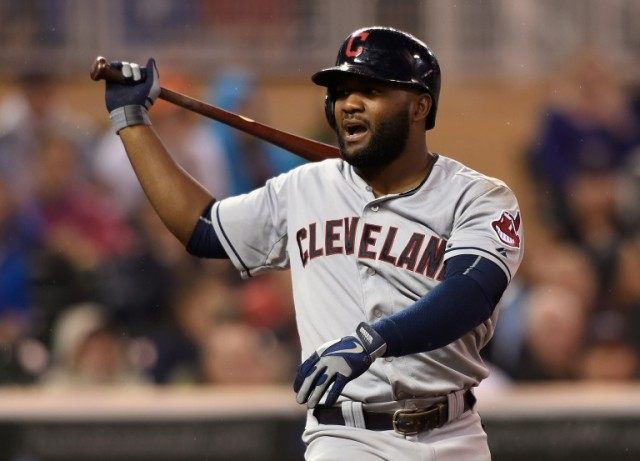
471, 288
204, 241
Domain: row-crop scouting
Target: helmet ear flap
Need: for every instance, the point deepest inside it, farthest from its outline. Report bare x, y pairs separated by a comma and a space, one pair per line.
431, 116
329, 112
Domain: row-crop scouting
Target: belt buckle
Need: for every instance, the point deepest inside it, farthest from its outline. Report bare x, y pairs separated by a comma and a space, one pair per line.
412, 422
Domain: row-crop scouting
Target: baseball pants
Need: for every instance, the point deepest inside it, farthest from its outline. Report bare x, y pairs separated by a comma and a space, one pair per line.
460, 439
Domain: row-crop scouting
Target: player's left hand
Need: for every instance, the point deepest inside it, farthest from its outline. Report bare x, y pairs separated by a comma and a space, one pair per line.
337, 362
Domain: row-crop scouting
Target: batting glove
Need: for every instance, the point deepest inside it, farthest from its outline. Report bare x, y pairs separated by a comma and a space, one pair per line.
337, 362
129, 102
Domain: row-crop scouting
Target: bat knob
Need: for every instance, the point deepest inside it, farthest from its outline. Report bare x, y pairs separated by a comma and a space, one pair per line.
101, 70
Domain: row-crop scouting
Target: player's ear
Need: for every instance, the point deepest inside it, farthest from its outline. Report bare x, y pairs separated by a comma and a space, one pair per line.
421, 107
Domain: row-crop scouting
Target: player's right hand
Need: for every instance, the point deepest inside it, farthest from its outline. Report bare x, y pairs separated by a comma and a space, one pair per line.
336, 363
333, 364
141, 86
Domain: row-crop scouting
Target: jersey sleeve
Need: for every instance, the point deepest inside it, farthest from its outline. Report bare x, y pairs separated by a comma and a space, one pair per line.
253, 228
490, 226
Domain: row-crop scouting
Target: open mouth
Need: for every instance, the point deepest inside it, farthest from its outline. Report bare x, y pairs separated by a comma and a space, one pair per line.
354, 130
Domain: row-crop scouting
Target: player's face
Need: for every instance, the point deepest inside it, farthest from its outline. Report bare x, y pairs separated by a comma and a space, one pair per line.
372, 121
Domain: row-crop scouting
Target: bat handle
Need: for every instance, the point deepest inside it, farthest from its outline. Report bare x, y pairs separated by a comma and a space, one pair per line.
101, 70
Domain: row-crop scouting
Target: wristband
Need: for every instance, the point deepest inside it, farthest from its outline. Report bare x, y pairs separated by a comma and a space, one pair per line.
371, 340
125, 116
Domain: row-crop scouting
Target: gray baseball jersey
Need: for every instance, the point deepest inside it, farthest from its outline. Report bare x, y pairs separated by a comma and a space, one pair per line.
354, 257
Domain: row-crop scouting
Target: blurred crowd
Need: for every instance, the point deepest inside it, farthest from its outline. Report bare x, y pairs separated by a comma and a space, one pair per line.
573, 313
94, 290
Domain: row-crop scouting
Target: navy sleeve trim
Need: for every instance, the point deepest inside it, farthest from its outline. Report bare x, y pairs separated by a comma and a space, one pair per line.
204, 242
235, 252
502, 263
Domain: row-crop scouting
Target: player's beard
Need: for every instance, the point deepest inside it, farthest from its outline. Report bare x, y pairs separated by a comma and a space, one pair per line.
388, 140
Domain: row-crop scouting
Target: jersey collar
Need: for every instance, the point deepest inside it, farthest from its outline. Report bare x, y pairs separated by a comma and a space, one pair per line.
361, 186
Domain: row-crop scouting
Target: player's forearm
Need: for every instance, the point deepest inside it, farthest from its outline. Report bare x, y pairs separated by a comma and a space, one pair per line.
442, 316
467, 297
174, 194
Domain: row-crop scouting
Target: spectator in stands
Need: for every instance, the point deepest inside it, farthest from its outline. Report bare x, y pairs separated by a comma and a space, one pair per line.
591, 205
19, 232
538, 335
609, 361
555, 326
81, 223
593, 124
82, 232
588, 140
624, 287
138, 287
29, 114
199, 306
613, 253
266, 303
89, 351
609, 354
626, 290
552, 264
628, 196
567, 265
240, 354
21, 357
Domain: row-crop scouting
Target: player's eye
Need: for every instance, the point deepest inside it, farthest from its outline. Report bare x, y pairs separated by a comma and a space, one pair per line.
340, 93
373, 91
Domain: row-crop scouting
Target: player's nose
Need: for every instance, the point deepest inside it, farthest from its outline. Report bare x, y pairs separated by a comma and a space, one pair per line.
352, 103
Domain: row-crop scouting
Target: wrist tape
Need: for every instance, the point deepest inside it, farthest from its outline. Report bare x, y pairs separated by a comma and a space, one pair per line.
125, 116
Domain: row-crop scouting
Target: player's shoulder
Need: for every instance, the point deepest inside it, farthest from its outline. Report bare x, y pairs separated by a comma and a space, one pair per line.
465, 188
457, 174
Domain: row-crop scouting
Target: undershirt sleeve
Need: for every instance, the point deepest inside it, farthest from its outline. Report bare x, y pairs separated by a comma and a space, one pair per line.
204, 242
467, 296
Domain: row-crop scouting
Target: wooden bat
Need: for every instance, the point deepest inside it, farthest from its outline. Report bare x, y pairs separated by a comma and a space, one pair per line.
306, 148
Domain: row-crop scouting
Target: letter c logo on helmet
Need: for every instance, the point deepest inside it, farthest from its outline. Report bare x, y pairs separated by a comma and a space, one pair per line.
388, 55
349, 51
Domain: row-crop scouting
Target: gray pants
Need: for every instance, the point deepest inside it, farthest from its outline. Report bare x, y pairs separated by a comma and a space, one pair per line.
460, 439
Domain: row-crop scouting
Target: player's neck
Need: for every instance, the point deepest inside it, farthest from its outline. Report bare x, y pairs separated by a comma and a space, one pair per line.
405, 173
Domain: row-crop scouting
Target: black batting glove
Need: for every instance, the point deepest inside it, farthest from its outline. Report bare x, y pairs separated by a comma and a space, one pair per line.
129, 102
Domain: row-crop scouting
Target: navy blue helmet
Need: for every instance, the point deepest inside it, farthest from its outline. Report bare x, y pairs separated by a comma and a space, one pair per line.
388, 55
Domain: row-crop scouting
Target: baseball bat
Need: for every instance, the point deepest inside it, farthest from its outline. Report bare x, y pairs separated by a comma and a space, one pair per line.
306, 148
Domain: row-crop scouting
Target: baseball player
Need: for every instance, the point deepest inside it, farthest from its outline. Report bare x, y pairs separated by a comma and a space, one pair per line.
398, 255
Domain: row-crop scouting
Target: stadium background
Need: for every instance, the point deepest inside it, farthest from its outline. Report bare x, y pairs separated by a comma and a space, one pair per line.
116, 344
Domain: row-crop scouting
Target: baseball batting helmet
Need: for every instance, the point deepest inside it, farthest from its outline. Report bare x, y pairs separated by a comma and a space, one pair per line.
388, 55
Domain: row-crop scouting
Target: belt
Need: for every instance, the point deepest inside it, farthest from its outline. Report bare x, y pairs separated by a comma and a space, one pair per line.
405, 422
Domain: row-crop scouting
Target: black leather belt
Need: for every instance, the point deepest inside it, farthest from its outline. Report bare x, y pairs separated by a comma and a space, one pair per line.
403, 421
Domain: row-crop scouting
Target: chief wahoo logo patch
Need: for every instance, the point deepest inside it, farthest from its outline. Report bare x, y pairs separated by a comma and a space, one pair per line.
507, 228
